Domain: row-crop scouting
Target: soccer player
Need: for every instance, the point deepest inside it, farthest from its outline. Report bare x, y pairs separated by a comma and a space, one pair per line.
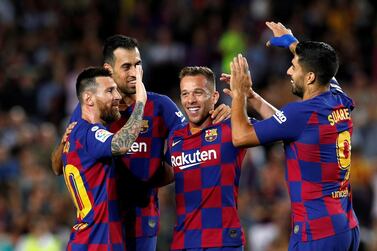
207, 170
142, 162
87, 159
317, 141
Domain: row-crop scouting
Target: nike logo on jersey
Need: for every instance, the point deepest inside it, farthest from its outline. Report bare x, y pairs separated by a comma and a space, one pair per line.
175, 142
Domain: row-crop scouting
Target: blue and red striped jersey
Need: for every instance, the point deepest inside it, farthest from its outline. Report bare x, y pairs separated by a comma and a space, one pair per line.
317, 142
139, 201
207, 170
90, 179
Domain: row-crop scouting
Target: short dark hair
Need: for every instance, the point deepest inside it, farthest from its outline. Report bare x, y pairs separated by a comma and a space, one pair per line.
318, 57
87, 79
114, 42
199, 70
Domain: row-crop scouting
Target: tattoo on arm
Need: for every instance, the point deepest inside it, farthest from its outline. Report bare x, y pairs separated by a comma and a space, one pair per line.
126, 136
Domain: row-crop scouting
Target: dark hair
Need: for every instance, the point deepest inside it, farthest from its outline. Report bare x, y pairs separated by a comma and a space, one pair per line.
199, 70
87, 79
114, 42
318, 57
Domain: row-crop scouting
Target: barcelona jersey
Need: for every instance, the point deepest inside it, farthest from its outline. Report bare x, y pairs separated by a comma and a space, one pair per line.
207, 169
317, 142
139, 202
90, 179
140, 210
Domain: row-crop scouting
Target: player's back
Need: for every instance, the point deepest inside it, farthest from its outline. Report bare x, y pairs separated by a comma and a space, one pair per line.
318, 167
90, 179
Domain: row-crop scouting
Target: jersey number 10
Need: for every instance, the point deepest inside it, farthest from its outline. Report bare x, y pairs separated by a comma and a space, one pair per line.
77, 190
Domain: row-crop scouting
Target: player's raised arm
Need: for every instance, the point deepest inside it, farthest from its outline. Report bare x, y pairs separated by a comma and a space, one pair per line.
127, 135
254, 100
243, 133
283, 36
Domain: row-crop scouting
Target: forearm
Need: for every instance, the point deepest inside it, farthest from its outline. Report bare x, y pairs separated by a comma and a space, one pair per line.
56, 160
243, 133
261, 106
126, 136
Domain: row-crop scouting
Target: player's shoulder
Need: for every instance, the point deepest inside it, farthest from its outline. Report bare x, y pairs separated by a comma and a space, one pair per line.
83, 127
157, 97
179, 128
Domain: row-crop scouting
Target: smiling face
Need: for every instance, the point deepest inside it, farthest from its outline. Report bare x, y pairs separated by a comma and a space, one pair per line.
124, 69
297, 75
107, 99
197, 99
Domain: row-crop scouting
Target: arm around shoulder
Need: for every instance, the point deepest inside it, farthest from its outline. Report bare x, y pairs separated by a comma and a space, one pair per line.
56, 160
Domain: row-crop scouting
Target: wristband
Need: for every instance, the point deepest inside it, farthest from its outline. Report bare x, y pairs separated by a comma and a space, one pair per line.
283, 41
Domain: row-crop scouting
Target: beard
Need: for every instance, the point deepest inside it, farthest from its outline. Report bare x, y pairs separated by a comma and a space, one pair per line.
108, 115
298, 91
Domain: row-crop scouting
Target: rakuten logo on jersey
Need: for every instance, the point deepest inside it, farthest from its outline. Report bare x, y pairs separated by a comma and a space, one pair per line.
184, 160
138, 147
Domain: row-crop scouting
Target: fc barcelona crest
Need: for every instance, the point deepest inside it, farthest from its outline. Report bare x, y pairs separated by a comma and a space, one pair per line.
211, 135
144, 126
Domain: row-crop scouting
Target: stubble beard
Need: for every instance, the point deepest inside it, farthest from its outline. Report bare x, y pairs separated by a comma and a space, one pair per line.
109, 115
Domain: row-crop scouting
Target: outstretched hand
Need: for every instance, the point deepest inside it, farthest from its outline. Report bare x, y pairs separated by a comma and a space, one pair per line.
240, 79
283, 36
226, 78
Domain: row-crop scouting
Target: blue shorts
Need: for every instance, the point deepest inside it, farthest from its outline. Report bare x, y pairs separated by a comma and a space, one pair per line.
347, 241
238, 248
141, 244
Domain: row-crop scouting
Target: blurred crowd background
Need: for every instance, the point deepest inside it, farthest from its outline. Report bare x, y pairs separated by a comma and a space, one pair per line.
45, 43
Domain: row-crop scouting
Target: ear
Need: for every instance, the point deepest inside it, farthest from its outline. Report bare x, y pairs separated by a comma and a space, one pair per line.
215, 97
88, 98
310, 77
108, 67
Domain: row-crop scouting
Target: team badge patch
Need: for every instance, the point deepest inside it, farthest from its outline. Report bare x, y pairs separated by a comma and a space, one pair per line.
102, 135
94, 128
144, 126
211, 135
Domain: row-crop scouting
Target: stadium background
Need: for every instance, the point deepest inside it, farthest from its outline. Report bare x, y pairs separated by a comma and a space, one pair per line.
45, 43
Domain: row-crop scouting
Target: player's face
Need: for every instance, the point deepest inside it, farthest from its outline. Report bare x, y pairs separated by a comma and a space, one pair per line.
297, 77
124, 69
108, 97
197, 98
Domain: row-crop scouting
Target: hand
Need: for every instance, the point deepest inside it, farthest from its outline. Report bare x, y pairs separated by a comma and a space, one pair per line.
67, 132
141, 93
240, 79
226, 78
220, 113
283, 36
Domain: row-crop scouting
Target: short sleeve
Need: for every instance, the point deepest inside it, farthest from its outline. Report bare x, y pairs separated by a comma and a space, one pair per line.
98, 141
286, 124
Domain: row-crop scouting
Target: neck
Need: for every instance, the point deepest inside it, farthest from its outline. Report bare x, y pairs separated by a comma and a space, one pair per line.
91, 115
315, 90
194, 128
